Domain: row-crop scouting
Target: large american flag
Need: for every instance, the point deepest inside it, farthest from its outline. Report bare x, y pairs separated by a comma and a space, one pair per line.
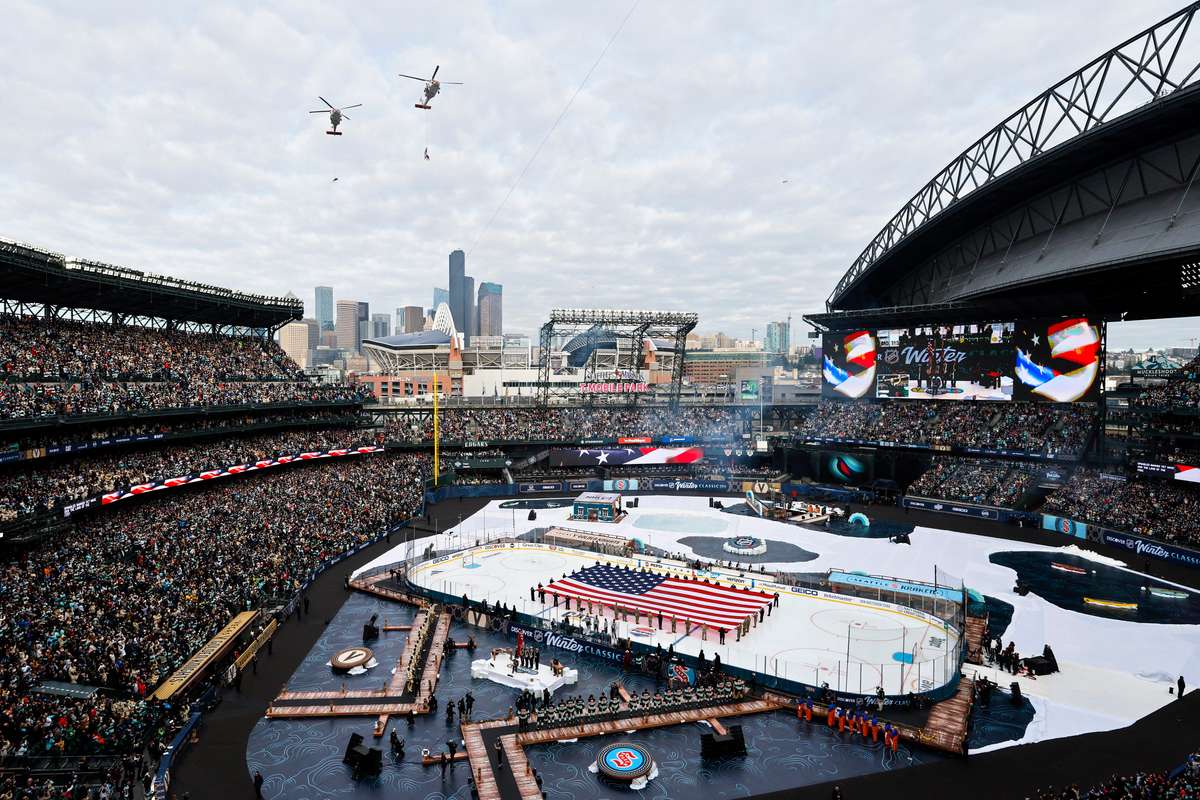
710, 604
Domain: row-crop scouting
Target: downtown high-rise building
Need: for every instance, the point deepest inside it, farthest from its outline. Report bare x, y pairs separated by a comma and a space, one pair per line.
441, 296
410, 319
294, 339
458, 296
364, 323
381, 326
470, 328
323, 307
778, 337
490, 309
346, 326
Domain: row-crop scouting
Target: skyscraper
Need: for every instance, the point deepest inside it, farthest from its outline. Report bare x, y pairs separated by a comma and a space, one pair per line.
324, 307
491, 315
778, 337
381, 326
458, 302
364, 324
469, 320
347, 325
294, 340
440, 296
414, 319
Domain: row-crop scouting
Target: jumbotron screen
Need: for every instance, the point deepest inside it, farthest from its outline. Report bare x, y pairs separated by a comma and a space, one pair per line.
1050, 360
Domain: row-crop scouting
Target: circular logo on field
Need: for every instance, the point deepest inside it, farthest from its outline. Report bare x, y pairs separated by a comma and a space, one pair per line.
624, 761
744, 541
642, 631
352, 657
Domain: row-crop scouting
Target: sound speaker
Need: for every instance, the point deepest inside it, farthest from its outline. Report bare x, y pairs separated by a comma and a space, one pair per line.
715, 745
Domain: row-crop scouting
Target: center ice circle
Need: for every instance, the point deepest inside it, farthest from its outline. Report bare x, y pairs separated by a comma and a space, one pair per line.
679, 523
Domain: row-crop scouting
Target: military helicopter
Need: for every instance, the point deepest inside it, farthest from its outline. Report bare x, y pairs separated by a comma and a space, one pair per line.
336, 115
432, 86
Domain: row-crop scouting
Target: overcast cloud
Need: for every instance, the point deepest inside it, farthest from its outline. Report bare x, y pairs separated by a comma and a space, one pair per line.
174, 138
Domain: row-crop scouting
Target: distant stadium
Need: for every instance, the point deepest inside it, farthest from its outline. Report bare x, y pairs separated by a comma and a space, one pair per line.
223, 574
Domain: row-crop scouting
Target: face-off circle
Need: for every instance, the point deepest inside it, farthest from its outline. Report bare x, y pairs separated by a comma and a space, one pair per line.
624, 762
745, 545
350, 658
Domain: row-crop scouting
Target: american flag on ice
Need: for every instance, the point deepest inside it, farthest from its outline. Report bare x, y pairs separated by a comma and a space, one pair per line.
684, 598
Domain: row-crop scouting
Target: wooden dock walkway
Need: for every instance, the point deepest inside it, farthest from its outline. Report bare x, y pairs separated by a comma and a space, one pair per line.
477, 754
946, 728
976, 633
514, 754
427, 683
717, 727
646, 721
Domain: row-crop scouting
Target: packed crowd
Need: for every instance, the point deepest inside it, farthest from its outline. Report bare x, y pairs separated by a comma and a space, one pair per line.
984, 481
31, 400
36, 350
1162, 509
82, 436
1181, 392
572, 424
123, 598
1182, 783
1042, 428
48, 485
57, 367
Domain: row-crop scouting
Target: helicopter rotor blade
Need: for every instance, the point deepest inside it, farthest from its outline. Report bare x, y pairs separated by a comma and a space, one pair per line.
452, 83
435, 69
345, 115
414, 77
320, 111
326, 102
356, 105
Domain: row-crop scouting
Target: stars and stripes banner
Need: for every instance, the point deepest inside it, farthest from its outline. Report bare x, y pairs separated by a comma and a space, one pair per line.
604, 456
711, 604
233, 469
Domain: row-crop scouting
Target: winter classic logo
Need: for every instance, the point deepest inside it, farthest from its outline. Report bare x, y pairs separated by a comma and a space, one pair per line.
850, 368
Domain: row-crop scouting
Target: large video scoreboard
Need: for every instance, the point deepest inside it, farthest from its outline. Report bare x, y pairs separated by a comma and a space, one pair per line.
1050, 360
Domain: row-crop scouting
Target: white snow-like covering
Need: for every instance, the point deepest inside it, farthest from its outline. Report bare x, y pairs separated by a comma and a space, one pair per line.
1113, 671
498, 669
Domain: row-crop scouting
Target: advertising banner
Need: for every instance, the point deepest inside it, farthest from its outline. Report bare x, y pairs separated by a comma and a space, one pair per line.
947, 507
530, 488
750, 389
1145, 547
1063, 525
611, 457
633, 440
621, 485
687, 485
234, 469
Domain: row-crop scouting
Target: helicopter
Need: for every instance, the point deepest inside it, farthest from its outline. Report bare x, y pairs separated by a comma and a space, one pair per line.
336, 115
432, 86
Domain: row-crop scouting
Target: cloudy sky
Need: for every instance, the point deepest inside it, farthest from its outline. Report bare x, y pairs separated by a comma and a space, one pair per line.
175, 138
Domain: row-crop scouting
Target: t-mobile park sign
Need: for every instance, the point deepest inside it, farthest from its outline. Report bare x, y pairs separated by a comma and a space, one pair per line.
614, 387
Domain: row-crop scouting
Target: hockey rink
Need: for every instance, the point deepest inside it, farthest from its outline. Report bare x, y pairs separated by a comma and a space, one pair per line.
812, 639
1113, 671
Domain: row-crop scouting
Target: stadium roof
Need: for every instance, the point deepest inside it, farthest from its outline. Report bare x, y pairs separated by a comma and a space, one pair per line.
419, 339
1089, 176
32, 275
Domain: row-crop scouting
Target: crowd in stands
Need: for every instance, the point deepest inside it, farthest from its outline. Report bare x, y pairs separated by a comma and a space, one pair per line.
31, 400
572, 424
57, 367
1181, 783
1162, 509
984, 481
1042, 428
35, 350
47, 485
166, 428
125, 596
1180, 392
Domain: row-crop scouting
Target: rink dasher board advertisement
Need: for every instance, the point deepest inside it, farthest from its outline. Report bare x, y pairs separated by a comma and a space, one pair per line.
1046, 360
